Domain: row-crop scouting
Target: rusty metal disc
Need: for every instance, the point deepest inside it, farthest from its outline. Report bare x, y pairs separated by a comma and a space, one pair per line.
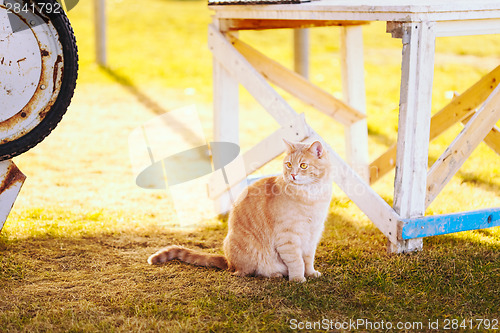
38, 69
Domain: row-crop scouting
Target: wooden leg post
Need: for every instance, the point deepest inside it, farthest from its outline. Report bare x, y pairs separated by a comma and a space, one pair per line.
414, 126
353, 88
100, 31
301, 51
226, 116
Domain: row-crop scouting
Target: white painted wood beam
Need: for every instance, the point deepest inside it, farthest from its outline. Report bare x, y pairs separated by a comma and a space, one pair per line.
414, 126
353, 89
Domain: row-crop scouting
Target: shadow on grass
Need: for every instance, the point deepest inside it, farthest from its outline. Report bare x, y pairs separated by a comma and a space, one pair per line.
102, 282
186, 133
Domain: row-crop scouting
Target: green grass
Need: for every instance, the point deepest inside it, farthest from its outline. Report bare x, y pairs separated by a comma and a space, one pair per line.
73, 251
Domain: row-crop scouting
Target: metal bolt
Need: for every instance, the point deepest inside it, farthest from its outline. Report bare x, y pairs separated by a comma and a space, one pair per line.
32, 22
43, 87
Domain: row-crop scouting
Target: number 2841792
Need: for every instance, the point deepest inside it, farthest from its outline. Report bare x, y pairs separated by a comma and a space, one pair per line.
40, 7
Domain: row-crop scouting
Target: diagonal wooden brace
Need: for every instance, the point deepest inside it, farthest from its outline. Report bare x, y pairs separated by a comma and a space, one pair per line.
458, 109
298, 86
239, 68
460, 149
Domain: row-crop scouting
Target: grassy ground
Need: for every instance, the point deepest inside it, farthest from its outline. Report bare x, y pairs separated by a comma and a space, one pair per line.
73, 251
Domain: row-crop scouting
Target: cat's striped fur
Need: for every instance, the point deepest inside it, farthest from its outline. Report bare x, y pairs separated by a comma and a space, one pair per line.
275, 226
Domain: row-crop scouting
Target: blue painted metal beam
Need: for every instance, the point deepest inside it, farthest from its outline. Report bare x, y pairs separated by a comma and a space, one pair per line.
446, 224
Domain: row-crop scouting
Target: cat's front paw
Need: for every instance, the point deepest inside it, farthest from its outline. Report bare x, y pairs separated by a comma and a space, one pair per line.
297, 279
314, 274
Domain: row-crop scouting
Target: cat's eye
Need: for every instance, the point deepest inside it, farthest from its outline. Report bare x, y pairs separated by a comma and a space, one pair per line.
304, 166
288, 165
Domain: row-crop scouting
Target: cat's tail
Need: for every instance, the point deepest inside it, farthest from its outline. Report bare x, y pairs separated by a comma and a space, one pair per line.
189, 256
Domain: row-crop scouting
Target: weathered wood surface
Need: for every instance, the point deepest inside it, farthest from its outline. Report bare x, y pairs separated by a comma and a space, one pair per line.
258, 24
413, 127
449, 223
226, 118
353, 89
367, 10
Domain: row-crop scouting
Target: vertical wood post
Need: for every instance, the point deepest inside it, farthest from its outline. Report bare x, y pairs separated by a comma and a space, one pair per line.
100, 31
301, 51
226, 114
414, 125
353, 89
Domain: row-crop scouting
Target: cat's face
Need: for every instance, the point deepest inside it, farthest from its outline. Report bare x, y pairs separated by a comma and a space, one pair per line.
305, 164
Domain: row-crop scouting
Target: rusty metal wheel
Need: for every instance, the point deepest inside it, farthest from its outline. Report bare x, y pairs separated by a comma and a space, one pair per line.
38, 71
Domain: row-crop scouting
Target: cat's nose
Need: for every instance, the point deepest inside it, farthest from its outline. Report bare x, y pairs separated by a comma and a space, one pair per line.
293, 175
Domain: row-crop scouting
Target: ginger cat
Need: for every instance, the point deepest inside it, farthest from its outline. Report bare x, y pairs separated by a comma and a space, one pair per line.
275, 226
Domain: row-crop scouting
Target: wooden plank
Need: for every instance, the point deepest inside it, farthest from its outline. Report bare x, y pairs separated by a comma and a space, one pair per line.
460, 149
100, 31
243, 24
449, 223
353, 89
225, 121
298, 86
469, 27
301, 52
259, 155
366, 10
465, 104
247, 76
459, 108
414, 124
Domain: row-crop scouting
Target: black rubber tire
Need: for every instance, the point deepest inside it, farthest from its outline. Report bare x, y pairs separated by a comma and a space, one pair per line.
70, 54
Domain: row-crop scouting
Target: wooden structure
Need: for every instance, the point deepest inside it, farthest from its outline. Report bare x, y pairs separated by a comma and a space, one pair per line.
417, 24
100, 32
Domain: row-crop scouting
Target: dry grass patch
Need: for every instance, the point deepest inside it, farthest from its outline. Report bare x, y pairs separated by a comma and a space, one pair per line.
73, 252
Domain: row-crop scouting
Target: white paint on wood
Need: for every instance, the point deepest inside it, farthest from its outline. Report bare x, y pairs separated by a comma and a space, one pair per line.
100, 31
414, 126
467, 27
464, 144
353, 89
367, 10
225, 121
301, 52
241, 70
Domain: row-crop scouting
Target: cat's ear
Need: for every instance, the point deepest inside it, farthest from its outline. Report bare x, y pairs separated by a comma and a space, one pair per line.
317, 149
290, 147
